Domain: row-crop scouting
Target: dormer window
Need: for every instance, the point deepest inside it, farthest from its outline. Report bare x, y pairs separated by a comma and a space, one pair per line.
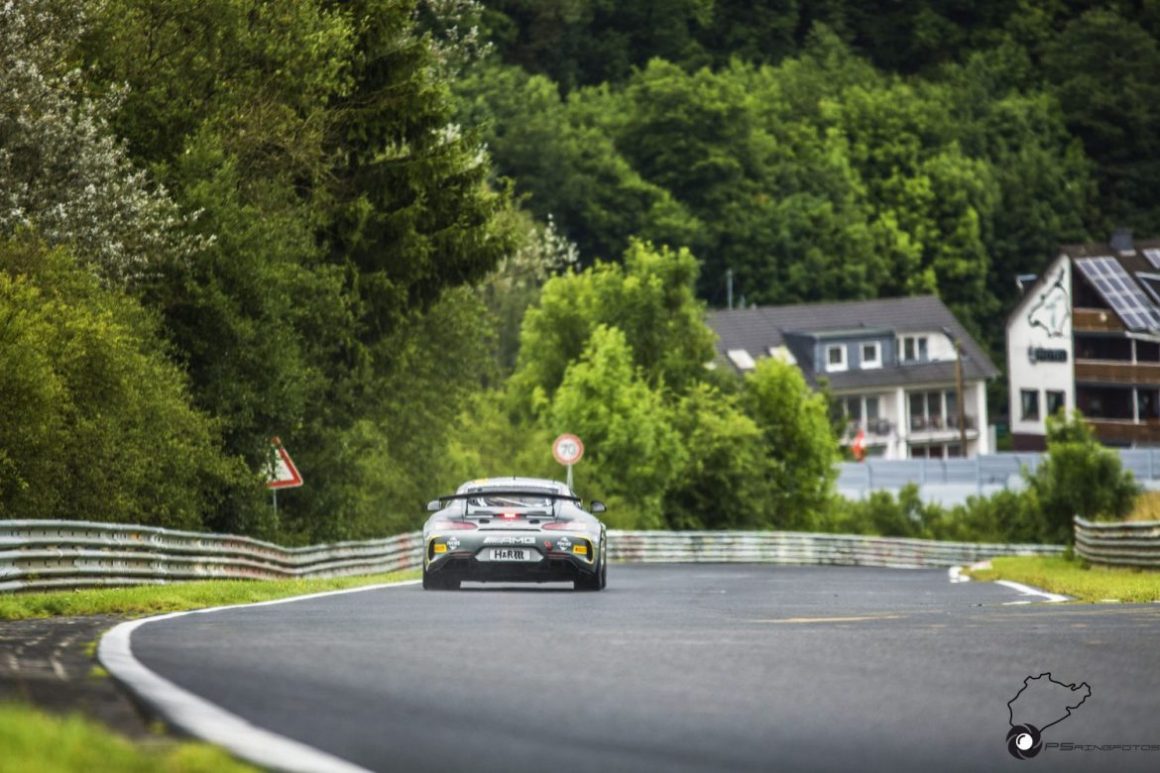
914, 349
835, 357
871, 355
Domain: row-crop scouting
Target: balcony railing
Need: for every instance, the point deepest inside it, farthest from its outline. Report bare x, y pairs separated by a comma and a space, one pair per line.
1106, 372
940, 423
1095, 320
872, 427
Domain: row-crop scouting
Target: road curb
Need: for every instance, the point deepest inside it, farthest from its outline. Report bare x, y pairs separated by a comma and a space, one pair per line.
202, 719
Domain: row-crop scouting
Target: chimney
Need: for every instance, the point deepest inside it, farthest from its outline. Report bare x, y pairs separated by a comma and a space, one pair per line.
1023, 281
1122, 241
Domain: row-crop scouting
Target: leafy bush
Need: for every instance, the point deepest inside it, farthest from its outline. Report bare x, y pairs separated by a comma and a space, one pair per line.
96, 423
1078, 476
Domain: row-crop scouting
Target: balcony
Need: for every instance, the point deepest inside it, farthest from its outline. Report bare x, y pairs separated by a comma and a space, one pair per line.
1095, 321
1126, 431
939, 423
1111, 372
875, 429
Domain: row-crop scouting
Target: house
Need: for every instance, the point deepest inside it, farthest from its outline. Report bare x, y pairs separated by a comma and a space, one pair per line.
890, 363
1086, 335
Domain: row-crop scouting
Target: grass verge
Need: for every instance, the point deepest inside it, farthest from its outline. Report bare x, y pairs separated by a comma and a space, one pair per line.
32, 740
1146, 508
1073, 578
144, 600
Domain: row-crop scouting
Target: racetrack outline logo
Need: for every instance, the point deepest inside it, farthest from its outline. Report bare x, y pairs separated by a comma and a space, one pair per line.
1042, 702
1052, 311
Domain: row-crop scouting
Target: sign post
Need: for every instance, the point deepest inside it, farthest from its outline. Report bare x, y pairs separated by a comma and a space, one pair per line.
568, 449
282, 473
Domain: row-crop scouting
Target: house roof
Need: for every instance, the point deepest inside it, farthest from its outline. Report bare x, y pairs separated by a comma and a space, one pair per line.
756, 330
1134, 257
1126, 274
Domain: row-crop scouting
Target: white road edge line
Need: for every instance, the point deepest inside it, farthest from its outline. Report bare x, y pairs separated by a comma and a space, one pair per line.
200, 718
1027, 590
955, 574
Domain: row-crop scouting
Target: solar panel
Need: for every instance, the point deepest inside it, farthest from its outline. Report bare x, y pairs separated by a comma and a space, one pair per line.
1120, 292
1153, 256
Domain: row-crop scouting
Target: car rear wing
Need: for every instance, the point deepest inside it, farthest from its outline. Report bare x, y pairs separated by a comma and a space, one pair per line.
436, 504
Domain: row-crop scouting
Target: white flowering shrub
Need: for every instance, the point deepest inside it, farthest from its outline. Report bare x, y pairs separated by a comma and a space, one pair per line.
63, 172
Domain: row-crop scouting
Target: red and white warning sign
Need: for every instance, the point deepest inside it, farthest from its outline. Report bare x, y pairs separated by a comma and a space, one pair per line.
283, 474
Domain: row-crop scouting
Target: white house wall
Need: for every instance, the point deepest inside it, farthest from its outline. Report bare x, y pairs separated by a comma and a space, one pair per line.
1040, 352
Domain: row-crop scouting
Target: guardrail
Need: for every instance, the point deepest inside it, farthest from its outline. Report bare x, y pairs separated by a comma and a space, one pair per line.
784, 547
69, 554
1129, 543
43, 555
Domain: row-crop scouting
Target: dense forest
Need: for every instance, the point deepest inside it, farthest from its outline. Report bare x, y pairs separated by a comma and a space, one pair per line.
417, 238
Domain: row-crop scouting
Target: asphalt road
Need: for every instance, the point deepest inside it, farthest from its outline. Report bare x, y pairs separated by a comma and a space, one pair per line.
677, 668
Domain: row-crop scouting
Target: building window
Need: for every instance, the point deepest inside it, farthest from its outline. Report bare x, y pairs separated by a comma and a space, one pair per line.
1096, 347
927, 411
1030, 401
863, 413
914, 348
1055, 401
1147, 351
1106, 402
871, 355
1148, 406
836, 357
853, 408
935, 451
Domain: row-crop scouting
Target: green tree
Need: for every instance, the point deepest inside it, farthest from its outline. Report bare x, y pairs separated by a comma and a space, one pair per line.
632, 451
337, 202
724, 482
1078, 477
62, 170
1103, 67
565, 166
799, 445
96, 422
650, 299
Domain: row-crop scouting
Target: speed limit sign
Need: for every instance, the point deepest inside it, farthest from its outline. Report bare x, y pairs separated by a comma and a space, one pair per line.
567, 449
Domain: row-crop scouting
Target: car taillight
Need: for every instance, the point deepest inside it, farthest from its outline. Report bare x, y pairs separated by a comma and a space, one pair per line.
566, 526
452, 525
509, 516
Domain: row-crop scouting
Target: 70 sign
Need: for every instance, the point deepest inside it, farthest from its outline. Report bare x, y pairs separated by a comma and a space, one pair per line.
568, 449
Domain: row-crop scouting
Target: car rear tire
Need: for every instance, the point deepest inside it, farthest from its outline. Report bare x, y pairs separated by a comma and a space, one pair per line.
435, 582
598, 580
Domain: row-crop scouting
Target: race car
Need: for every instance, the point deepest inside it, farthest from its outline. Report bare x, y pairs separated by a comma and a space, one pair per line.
514, 530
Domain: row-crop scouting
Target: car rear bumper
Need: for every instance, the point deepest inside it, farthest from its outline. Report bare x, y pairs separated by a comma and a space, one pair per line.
468, 563
467, 568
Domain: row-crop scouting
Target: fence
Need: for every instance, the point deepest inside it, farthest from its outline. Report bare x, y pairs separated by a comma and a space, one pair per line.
70, 554
951, 481
1132, 543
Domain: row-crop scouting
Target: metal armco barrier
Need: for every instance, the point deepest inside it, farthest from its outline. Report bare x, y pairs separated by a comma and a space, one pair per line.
72, 554
784, 547
1130, 543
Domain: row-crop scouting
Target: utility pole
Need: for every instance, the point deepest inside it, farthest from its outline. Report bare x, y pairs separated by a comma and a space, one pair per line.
962, 406
729, 287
